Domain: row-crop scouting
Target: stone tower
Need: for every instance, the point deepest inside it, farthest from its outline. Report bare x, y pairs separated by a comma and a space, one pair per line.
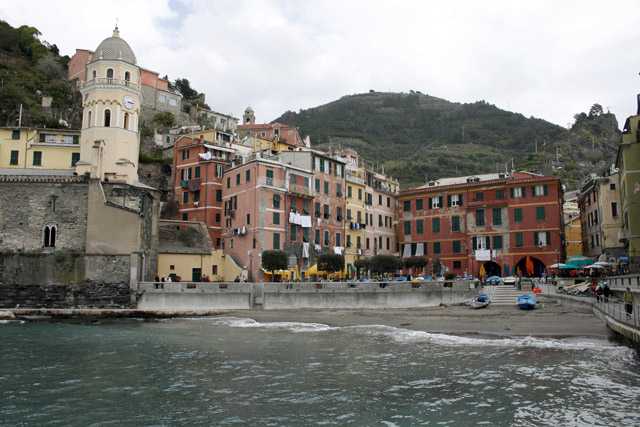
112, 95
248, 118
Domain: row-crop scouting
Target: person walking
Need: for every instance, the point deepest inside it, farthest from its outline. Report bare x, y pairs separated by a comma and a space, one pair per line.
628, 302
606, 292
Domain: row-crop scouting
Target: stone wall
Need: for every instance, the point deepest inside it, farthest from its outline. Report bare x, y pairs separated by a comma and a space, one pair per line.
64, 280
27, 206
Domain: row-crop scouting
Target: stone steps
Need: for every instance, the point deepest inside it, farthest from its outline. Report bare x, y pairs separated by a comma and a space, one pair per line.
504, 295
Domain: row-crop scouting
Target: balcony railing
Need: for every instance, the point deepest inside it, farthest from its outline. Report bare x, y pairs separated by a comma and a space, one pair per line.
354, 179
299, 189
272, 182
107, 81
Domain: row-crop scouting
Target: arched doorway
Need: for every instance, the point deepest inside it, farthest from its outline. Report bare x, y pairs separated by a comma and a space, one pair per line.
535, 269
492, 269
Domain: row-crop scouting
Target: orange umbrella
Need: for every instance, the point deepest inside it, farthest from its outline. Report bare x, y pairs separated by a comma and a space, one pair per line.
529, 265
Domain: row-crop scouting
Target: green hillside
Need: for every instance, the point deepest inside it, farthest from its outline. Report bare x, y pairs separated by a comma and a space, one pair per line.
31, 69
418, 137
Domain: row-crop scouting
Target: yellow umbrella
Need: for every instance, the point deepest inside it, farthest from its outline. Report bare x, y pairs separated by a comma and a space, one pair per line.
482, 270
314, 270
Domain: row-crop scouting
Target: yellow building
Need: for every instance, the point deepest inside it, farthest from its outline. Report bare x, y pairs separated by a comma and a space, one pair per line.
572, 229
23, 148
193, 260
357, 217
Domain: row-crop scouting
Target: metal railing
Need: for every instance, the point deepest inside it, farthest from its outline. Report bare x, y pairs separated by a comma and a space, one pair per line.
615, 308
108, 81
300, 189
272, 182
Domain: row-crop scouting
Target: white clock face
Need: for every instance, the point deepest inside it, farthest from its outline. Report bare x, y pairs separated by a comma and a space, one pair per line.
128, 102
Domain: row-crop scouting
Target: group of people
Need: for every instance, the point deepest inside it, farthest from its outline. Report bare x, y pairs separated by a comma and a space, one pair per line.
603, 292
160, 281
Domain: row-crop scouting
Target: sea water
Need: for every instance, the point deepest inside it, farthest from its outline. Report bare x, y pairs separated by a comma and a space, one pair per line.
232, 371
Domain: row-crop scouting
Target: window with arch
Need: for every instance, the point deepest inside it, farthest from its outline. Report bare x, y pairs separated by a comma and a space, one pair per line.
110, 75
126, 120
88, 124
127, 78
49, 235
94, 74
107, 118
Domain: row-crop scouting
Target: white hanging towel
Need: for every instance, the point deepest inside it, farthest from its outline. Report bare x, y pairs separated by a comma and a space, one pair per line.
406, 251
305, 250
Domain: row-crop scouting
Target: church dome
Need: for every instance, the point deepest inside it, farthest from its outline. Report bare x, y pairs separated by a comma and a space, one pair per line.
114, 47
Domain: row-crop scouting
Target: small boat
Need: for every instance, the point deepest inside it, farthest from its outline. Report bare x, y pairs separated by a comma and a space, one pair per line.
526, 302
510, 280
480, 301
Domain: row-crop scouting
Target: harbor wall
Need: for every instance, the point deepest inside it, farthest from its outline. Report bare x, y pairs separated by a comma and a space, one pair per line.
278, 296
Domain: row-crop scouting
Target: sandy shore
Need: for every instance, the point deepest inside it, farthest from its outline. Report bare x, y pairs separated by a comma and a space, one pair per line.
552, 317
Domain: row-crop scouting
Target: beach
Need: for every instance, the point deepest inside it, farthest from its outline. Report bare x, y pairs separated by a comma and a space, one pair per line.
552, 317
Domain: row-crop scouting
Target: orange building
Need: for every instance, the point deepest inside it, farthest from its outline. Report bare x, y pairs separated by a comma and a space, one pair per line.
493, 223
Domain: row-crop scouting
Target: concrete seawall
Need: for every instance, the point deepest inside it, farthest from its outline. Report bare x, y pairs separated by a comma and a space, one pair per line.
276, 296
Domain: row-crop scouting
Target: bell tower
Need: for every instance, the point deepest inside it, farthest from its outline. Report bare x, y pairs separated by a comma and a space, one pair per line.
249, 117
112, 95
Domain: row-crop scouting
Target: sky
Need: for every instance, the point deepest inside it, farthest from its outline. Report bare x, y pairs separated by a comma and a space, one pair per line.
540, 58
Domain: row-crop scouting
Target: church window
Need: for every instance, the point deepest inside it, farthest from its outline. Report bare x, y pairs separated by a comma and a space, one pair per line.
127, 78
88, 124
107, 118
110, 75
49, 235
94, 75
126, 120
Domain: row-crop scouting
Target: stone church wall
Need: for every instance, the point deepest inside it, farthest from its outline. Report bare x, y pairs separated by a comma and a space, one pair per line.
28, 205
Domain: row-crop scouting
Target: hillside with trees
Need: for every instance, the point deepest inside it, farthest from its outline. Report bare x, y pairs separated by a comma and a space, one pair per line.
31, 69
417, 137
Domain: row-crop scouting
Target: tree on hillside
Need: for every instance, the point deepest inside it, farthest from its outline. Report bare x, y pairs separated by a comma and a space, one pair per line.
184, 87
596, 110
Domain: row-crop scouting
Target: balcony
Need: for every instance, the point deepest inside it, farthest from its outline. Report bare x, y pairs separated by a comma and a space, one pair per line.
623, 235
355, 179
110, 82
271, 182
300, 190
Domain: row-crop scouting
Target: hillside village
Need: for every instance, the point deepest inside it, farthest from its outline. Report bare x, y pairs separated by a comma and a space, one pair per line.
102, 210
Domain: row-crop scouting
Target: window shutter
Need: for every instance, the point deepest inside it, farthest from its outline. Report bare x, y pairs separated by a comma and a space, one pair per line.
430, 204
488, 242
546, 191
76, 139
449, 200
41, 137
459, 199
524, 192
511, 189
536, 240
475, 243
440, 202
548, 238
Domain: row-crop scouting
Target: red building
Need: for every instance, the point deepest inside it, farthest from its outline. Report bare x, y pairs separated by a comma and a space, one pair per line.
199, 169
488, 223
